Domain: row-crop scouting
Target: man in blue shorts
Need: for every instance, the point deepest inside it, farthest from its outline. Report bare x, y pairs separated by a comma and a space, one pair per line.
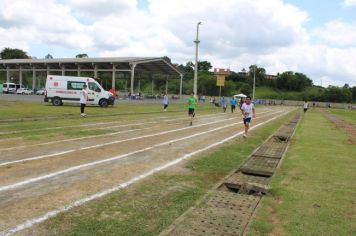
247, 111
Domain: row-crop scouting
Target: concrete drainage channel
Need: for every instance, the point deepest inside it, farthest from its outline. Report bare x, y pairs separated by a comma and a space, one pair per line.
227, 210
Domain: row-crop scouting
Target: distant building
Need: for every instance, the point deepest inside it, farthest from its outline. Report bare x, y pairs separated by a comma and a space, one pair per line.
271, 77
243, 72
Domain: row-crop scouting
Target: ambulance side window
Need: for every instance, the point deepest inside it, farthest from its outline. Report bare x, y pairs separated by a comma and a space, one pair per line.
74, 85
92, 86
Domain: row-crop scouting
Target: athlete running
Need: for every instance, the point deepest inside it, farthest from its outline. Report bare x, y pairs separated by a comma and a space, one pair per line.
247, 111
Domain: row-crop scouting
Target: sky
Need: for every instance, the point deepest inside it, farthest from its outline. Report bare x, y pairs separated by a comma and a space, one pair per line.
314, 37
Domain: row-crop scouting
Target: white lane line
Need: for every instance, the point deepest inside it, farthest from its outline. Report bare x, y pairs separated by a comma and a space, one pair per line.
40, 219
109, 143
95, 136
103, 135
150, 122
39, 178
81, 125
105, 144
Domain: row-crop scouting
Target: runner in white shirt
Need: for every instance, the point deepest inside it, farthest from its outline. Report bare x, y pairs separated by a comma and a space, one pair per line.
83, 100
247, 111
165, 102
305, 106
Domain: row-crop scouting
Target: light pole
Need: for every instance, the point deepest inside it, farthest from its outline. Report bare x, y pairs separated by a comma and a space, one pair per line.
254, 83
196, 61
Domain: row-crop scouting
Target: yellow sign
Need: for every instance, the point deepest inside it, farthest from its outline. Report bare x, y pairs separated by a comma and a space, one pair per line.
220, 80
220, 76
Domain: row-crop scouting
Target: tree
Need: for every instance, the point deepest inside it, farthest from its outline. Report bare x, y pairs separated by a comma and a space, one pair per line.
353, 92
188, 68
13, 53
204, 66
336, 94
293, 81
83, 55
48, 56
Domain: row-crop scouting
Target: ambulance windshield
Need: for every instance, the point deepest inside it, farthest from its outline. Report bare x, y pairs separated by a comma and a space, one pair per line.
94, 87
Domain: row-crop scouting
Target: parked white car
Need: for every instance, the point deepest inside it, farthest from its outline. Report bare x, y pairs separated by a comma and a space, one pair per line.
24, 91
40, 92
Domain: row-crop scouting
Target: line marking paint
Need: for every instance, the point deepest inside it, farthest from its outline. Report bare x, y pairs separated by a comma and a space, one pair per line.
84, 125
108, 143
78, 167
33, 221
91, 136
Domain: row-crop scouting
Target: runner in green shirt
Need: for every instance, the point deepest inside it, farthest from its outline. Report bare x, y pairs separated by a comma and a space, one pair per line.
192, 103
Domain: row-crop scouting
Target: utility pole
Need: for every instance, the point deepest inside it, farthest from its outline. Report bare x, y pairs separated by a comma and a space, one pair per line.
254, 83
196, 61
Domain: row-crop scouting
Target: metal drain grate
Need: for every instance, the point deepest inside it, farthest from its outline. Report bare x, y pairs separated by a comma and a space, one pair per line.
257, 165
240, 182
229, 212
223, 214
272, 149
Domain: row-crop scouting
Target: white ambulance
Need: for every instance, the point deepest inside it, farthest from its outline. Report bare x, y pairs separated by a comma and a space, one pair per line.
60, 89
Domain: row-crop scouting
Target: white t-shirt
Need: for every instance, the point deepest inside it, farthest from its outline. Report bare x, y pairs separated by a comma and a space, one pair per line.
84, 96
247, 110
305, 105
165, 100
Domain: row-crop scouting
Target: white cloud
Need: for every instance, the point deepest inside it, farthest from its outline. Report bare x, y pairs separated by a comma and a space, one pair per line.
235, 33
337, 33
350, 3
100, 8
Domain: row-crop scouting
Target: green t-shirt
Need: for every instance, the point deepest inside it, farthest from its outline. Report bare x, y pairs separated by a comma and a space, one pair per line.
192, 102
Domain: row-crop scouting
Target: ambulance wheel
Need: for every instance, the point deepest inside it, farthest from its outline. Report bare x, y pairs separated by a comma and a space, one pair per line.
103, 103
56, 101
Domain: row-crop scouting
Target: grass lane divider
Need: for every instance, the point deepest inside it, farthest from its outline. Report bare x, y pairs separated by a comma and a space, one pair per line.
31, 222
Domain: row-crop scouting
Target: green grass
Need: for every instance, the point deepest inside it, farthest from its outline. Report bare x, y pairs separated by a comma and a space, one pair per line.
266, 92
46, 116
23, 109
347, 115
314, 192
148, 207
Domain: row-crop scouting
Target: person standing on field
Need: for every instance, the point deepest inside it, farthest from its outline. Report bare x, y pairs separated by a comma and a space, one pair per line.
305, 106
247, 111
165, 102
233, 103
224, 103
83, 100
192, 103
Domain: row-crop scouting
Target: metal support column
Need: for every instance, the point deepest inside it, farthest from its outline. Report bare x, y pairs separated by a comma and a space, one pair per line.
113, 76
95, 71
7, 74
20, 75
78, 70
167, 86
132, 77
181, 86
139, 86
33, 78
63, 70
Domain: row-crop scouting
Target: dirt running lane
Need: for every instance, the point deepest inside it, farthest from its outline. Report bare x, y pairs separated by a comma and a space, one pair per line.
94, 173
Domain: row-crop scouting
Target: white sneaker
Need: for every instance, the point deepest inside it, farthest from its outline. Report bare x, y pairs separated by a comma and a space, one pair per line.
245, 136
165, 109
83, 115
